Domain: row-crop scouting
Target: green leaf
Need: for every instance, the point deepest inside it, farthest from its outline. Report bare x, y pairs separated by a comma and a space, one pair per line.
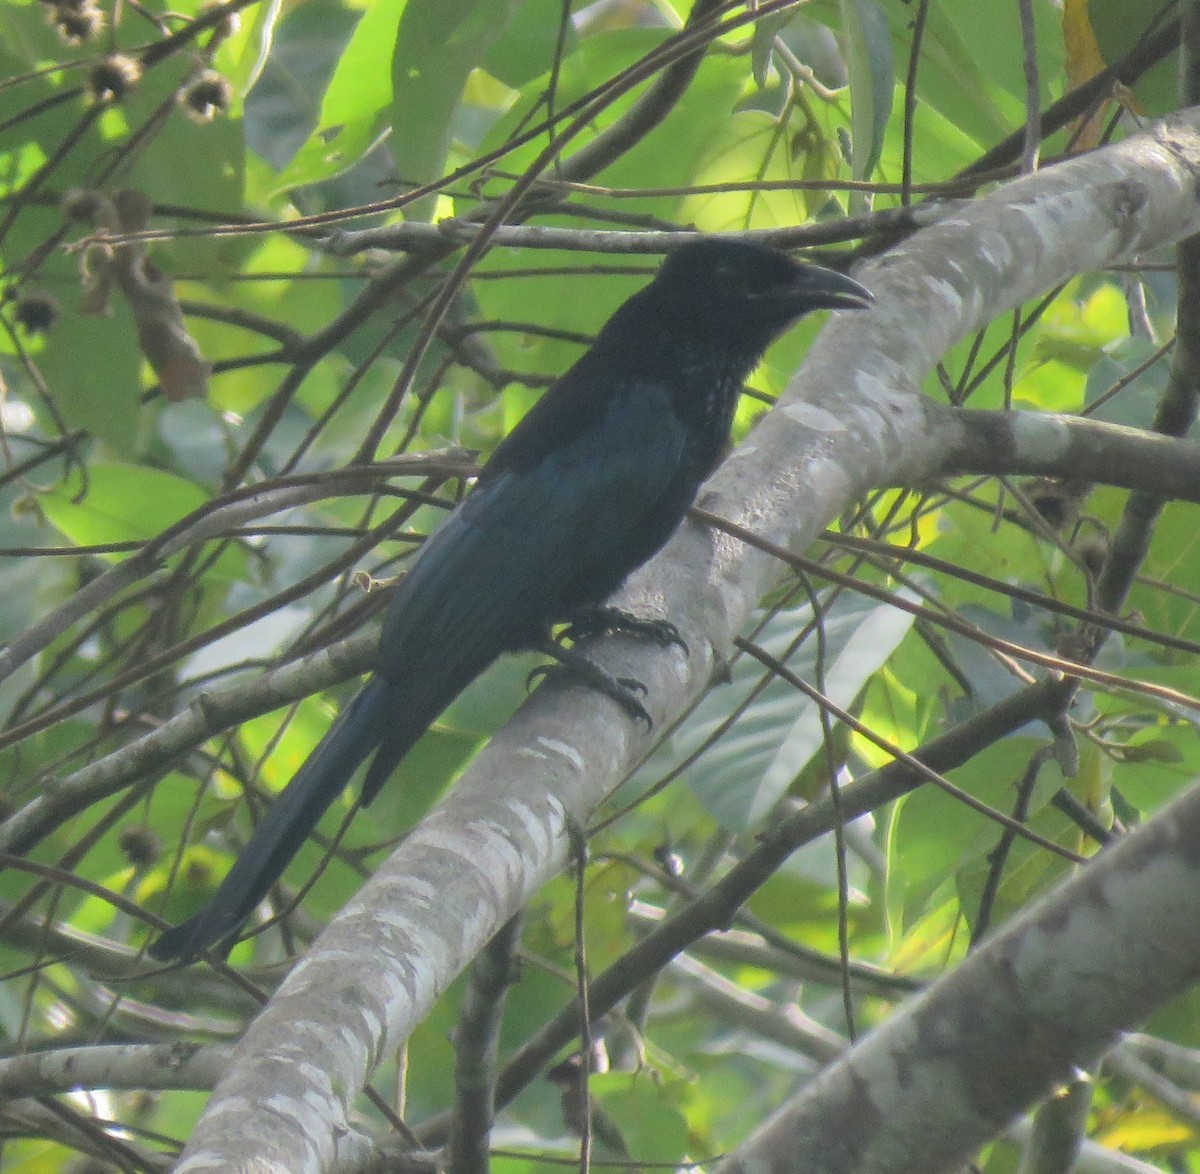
123, 503
937, 835
284, 107
241, 56
751, 139
1158, 764
362, 81
763, 44
747, 770
525, 48
354, 110
1118, 28
1138, 400
959, 80
102, 395
439, 43
872, 81
190, 164
645, 1115
1029, 868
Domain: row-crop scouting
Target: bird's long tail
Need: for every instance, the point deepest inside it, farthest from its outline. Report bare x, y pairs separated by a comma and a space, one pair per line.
370, 719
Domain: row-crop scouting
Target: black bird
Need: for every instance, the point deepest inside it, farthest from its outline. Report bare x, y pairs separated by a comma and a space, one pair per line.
606, 1134
588, 486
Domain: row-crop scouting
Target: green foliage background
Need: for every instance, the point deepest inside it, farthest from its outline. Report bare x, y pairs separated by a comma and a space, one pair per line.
336, 108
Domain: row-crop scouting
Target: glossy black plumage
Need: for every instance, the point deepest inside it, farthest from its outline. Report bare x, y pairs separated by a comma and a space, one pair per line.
586, 488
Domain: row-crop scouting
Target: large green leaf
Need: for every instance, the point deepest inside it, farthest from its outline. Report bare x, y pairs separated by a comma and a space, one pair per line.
1118, 27
746, 771
872, 81
122, 503
439, 43
133, 503
188, 163
525, 47
356, 103
284, 107
936, 835
102, 394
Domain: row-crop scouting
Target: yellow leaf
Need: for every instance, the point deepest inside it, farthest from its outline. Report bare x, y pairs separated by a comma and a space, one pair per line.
1143, 1131
1083, 61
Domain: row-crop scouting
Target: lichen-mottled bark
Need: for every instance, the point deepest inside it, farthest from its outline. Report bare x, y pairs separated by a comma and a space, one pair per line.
1043, 998
853, 421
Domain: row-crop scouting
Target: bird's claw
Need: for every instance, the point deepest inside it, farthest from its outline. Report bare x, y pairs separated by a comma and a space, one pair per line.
623, 690
599, 620
626, 698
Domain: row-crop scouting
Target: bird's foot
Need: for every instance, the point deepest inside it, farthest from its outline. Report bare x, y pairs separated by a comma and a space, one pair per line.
596, 621
623, 690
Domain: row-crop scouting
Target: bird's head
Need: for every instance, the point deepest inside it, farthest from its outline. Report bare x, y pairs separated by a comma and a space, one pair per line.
748, 292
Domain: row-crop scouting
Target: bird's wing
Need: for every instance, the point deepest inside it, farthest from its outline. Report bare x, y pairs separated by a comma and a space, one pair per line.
527, 548
530, 545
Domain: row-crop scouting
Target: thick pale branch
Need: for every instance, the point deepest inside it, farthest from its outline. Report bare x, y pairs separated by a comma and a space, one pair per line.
853, 422
113, 1066
1044, 998
1046, 445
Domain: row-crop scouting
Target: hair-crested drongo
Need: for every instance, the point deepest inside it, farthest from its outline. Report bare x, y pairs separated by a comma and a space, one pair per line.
588, 486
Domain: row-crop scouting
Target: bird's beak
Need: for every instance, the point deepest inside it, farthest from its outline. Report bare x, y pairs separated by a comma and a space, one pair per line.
817, 288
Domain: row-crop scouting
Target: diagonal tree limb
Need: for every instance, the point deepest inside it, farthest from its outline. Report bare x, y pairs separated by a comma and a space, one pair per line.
854, 421
1045, 997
